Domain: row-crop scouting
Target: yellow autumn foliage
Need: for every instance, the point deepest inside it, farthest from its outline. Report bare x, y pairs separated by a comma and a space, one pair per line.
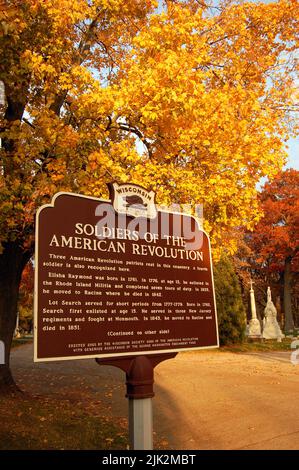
190, 99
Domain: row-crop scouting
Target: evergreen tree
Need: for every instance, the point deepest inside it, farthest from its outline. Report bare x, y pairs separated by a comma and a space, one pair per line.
230, 308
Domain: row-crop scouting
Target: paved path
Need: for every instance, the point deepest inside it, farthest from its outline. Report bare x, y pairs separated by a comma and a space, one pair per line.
205, 400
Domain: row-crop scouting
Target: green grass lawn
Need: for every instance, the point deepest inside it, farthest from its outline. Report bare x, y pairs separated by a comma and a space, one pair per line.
45, 424
30, 422
263, 345
249, 347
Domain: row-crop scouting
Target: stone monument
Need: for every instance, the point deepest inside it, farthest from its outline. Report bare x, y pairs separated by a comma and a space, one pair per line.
271, 328
17, 333
254, 327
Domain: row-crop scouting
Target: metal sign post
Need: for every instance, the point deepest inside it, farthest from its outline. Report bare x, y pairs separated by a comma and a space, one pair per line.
139, 380
141, 423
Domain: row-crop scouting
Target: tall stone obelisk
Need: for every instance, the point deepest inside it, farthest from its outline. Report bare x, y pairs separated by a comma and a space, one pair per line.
254, 327
17, 333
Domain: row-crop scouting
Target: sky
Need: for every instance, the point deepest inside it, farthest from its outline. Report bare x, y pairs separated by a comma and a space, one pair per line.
293, 152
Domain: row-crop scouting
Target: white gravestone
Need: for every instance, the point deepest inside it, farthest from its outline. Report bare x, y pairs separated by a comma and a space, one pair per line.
271, 328
254, 327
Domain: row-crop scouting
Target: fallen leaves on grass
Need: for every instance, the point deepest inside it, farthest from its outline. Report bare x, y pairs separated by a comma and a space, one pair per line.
52, 423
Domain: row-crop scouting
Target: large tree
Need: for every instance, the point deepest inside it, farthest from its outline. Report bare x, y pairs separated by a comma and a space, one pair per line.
275, 239
189, 99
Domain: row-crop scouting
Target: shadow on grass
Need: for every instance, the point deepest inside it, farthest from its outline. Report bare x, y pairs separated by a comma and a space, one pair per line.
35, 423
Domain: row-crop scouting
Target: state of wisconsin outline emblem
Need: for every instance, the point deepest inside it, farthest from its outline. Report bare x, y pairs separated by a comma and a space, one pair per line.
133, 200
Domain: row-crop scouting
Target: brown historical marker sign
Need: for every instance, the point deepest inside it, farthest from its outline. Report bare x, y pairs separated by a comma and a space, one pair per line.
120, 278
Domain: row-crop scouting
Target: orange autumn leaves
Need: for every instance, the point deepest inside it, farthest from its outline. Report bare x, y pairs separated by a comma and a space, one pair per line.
276, 236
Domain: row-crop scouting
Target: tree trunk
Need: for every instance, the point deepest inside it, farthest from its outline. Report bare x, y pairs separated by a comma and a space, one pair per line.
12, 262
287, 295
